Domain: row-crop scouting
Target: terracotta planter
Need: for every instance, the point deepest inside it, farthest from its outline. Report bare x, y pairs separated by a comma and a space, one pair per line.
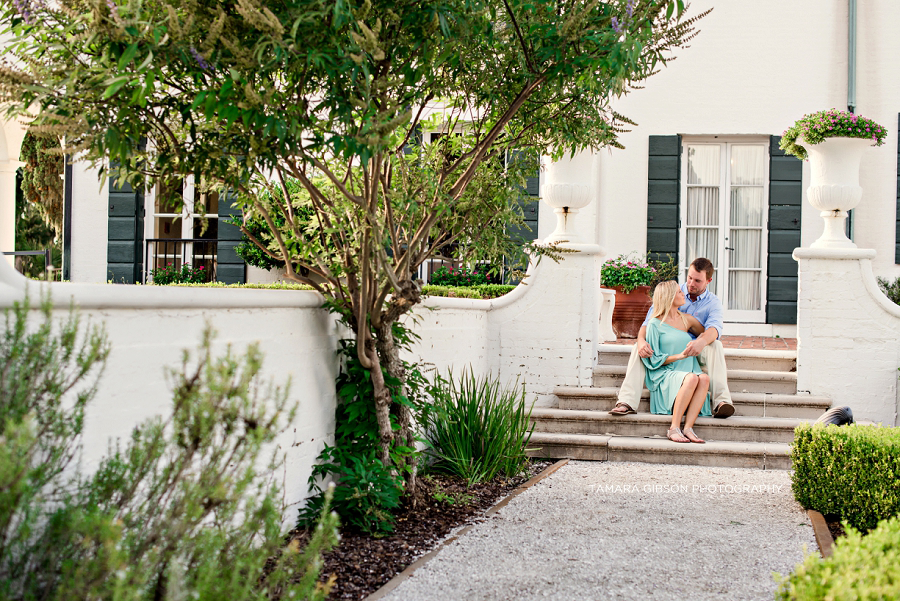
630, 311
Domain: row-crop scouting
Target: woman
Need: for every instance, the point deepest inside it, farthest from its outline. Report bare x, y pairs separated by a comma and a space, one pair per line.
677, 384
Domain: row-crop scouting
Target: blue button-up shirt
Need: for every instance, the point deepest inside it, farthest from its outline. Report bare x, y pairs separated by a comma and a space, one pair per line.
707, 309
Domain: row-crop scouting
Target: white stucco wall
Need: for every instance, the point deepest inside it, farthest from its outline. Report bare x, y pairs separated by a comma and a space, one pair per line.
544, 333
848, 333
90, 225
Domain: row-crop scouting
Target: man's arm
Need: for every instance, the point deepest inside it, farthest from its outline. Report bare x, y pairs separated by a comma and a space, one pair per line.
713, 325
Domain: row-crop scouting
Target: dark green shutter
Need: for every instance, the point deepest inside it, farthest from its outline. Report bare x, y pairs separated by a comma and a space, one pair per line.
785, 195
663, 196
125, 242
230, 268
897, 231
530, 203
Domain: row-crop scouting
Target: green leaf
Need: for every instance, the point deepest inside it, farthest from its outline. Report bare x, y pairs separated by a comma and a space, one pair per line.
127, 56
115, 86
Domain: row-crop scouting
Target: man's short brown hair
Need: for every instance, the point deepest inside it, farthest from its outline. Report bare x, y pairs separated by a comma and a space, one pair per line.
703, 264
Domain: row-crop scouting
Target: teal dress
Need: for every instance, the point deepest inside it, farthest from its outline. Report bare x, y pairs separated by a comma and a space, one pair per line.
664, 381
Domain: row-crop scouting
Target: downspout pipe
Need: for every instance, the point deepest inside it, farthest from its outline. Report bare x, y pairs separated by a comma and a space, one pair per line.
851, 56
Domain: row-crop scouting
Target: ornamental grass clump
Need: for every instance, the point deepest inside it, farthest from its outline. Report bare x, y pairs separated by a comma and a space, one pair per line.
477, 428
816, 127
627, 273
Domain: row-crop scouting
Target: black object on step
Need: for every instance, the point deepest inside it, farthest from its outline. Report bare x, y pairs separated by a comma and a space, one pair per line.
839, 416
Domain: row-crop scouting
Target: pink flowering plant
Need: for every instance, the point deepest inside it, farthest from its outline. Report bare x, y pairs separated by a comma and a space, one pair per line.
459, 276
627, 272
170, 274
832, 123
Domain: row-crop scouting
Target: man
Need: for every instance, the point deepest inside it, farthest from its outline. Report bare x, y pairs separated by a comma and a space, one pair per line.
707, 308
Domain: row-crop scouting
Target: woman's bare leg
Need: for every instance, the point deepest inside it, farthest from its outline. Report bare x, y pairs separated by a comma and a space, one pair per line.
694, 408
697, 400
683, 398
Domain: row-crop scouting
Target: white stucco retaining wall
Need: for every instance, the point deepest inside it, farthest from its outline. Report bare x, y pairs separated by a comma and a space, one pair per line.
544, 333
848, 344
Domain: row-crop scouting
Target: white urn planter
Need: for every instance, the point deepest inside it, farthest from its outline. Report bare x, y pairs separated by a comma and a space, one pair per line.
566, 200
834, 185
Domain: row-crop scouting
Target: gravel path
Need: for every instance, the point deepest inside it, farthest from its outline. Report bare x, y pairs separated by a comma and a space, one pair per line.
627, 531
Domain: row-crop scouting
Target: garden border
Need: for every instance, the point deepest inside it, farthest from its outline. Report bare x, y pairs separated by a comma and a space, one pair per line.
397, 580
823, 534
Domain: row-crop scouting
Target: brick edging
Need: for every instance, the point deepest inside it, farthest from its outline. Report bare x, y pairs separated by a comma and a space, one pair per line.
394, 582
823, 534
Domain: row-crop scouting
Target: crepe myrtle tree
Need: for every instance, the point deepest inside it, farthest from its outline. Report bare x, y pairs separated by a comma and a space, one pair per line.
254, 94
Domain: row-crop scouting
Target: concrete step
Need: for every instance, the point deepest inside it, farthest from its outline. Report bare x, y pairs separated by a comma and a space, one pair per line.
760, 455
753, 359
735, 428
752, 404
739, 380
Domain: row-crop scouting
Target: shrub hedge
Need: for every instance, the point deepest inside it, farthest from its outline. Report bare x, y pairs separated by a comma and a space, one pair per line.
862, 567
848, 471
481, 291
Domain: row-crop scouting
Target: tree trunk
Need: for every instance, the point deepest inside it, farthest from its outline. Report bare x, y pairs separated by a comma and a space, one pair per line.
382, 405
406, 435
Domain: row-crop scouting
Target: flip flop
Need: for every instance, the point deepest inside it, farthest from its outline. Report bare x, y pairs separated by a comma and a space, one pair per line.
675, 435
689, 433
621, 409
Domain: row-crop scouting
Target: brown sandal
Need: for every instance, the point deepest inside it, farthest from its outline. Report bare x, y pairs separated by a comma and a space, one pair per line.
622, 409
689, 433
675, 435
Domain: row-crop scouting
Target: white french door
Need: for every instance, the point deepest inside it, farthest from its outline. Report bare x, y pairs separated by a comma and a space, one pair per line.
724, 217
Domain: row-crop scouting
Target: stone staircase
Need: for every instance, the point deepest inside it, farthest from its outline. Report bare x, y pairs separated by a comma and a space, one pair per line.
763, 387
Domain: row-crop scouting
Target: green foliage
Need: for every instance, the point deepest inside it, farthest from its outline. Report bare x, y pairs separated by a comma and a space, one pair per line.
627, 272
816, 127
664, 269
33, 233
862, 568
459, 276
476, 428
170, 274
890, 289
182, 510
41, 182
367, 490
480, 291
847, 471
256, 286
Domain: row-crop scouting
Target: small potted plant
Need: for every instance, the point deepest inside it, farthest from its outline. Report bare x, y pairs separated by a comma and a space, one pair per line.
834, 142
631, 279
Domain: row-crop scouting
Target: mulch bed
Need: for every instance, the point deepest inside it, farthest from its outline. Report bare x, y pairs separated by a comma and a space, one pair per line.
362, 563
835, 527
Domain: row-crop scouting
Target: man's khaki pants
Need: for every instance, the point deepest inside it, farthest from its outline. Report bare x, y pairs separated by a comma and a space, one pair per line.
712, 361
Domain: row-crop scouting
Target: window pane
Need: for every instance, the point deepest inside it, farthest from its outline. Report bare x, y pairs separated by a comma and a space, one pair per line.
747, 207
703, 243
746, 248
743, 291
703, 165
748, 165
703, 206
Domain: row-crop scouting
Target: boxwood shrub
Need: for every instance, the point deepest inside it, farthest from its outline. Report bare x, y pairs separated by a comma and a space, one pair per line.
861, 567
852, 472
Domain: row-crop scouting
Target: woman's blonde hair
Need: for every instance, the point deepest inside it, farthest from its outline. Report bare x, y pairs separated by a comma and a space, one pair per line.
664, 298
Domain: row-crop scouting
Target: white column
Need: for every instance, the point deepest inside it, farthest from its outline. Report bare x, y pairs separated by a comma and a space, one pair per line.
8, 207
847, 332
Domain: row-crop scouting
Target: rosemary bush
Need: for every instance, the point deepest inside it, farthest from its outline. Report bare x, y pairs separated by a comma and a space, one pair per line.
180, 511
478, 429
